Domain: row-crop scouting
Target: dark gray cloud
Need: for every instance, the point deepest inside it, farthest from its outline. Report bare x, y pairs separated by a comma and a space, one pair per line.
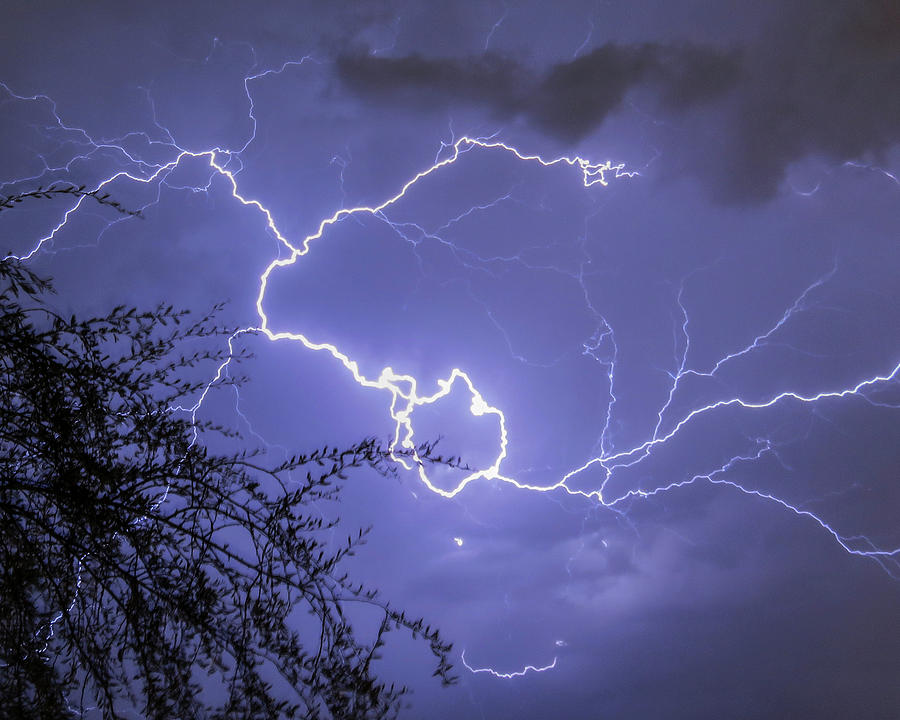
575, 97
568, 101
488, 80
824, 80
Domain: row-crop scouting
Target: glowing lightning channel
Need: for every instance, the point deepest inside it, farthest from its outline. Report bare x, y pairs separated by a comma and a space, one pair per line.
506, 675
404, 388
406, 399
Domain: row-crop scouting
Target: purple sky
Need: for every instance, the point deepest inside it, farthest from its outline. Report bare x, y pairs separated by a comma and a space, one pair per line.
709, 327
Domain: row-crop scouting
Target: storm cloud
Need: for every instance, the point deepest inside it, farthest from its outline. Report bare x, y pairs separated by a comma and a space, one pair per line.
825, 82
822, 81
568, 101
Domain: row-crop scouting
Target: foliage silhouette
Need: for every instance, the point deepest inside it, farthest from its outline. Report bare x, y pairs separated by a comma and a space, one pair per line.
46, 193
142, 572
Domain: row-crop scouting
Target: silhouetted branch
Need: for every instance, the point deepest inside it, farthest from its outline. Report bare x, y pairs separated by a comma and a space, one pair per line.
110, 593
46, 193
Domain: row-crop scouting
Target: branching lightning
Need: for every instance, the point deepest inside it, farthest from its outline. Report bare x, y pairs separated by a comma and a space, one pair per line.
405, 390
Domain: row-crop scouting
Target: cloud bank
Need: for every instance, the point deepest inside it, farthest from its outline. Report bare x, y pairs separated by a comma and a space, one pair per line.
823, 81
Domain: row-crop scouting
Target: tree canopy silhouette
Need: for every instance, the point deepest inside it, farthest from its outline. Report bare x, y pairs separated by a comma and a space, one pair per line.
141, 571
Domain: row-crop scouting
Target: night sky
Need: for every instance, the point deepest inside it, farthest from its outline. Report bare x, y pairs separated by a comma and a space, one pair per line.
661, 243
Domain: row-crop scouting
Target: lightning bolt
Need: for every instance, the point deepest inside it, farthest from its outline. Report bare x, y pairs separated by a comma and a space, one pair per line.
405, 390
506, 675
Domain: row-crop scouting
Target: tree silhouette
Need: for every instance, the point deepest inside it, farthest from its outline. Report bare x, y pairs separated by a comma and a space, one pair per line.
142, 572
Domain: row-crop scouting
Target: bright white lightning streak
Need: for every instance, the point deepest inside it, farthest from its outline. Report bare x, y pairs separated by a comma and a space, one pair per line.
404, 388
508, 675
405, 400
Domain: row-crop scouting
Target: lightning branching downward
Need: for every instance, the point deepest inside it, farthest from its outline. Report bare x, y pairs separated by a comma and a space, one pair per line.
405, 390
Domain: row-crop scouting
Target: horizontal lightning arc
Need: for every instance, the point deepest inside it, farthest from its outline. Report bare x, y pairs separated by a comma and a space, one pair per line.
506, 675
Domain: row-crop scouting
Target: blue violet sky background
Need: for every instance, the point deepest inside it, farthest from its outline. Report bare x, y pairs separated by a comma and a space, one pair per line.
689, 370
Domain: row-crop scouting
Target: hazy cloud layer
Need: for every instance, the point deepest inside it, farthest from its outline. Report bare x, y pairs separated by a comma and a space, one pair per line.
568, 101
823, 81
